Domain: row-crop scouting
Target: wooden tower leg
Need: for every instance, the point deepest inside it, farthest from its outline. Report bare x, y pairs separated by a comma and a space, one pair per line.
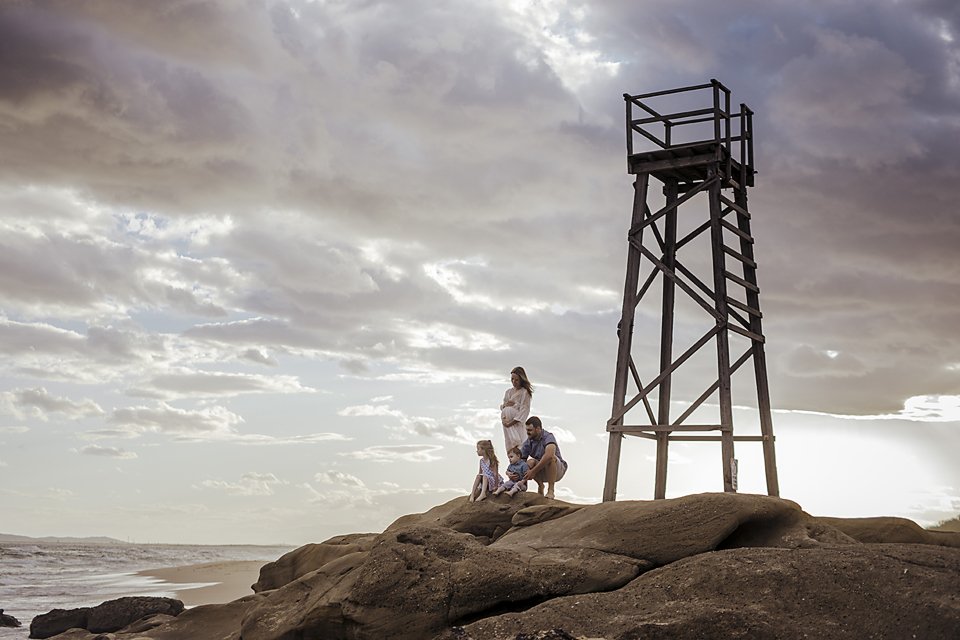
626, 339
613, 464
666, 338
723, 336
759, 354
766, 420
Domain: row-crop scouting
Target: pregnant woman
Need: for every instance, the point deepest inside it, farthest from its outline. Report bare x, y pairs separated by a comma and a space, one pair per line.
516, 408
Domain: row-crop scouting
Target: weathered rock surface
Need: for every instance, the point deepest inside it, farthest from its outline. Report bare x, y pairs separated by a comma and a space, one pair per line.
310, 557
703, 566
112, 615
489, 519
8, 620
892, 530
837, 592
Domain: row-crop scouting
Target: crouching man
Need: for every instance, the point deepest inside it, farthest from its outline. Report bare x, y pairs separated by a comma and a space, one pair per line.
542, 454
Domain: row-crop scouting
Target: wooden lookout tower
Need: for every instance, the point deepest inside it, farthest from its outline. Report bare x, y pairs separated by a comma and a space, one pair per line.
702, 153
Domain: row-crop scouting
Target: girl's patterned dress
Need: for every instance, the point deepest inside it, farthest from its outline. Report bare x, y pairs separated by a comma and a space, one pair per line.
493, 479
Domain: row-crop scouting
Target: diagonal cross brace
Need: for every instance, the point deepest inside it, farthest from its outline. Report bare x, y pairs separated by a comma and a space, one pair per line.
673, 205
663, 375
668, 272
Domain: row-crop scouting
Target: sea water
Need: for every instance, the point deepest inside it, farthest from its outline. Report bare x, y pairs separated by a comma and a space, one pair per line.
36, 577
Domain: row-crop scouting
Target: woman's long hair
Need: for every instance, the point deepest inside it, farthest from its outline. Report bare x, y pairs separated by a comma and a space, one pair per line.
487, 447
524, 380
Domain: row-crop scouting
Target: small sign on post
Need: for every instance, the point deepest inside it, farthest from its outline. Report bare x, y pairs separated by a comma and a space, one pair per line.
733, 473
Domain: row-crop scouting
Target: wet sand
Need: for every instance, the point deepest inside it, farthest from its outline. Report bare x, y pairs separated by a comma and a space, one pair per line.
210, 583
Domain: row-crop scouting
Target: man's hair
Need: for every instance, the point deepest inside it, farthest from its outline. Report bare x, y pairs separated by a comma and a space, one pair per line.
535, 421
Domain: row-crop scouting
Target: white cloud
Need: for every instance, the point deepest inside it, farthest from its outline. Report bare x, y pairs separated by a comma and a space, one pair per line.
932, 408
467, 425
308, 438
438, 336
339, 478
453, 282
188, 383
39, 403
925, 408
562, 435
427, 377
368, 410
96, 272
260, 357
555, 30
250, 484
397, 453
208, 424
341, 490
16, 429
49, 493
163, 418
198, 230
108, 452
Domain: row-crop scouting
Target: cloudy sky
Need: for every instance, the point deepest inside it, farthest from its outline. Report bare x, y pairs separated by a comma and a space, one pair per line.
265, 266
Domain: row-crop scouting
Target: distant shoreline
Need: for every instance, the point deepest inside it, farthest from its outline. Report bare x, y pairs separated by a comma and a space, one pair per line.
7, 538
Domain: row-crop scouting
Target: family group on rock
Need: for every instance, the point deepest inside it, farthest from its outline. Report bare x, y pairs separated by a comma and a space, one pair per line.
535, 458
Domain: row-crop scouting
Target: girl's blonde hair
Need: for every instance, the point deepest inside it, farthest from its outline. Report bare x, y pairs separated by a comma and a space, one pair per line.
487, 447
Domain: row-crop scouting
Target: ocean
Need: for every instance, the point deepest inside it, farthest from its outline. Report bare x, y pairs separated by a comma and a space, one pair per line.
36, 576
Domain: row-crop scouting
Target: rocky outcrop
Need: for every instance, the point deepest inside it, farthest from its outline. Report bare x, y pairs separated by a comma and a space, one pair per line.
486, 521
892, 530
307, 558
7, 620
709, 565
112, 615
485, 524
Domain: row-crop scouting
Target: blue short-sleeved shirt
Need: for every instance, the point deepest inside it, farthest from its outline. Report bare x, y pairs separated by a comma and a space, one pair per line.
519, 468
535, 448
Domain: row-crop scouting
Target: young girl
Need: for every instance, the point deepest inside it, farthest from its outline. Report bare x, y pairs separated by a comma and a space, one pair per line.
488, 479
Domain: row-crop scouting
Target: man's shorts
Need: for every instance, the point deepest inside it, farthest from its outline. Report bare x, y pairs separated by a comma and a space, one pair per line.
561, 468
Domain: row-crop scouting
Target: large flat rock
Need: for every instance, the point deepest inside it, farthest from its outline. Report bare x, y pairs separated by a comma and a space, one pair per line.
837, 592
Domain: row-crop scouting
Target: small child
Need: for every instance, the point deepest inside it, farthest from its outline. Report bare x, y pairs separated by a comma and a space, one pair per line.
488, 479
517, 466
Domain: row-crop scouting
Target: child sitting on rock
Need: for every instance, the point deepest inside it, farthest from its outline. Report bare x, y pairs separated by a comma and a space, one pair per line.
517, 468
488, 479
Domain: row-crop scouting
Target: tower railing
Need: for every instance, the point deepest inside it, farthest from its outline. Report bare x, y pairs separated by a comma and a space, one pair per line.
729, 127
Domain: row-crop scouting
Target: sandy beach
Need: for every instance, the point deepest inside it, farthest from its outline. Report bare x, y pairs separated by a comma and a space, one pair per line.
210, 583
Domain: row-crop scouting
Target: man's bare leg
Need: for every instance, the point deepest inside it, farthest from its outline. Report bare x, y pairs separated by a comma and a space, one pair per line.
551, 475
532, 462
